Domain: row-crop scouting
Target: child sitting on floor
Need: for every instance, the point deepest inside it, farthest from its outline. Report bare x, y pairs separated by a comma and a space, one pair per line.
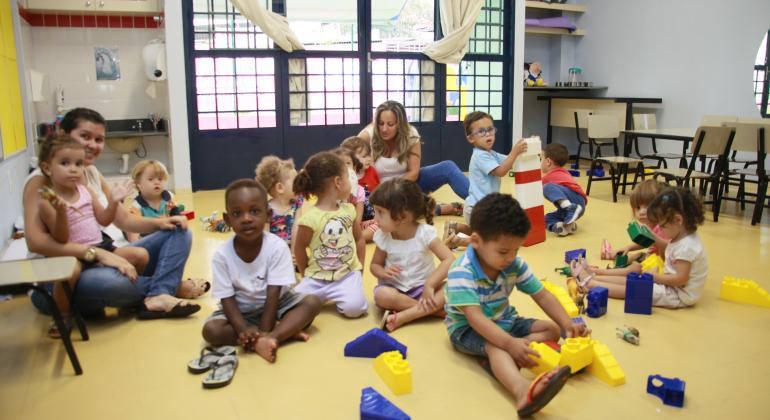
403, 257
277, 176
253, 275
484, 171
678, 212
480, 319
367, 178
561, 189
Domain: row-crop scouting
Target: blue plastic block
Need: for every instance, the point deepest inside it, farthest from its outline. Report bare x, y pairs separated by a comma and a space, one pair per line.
373, 343
574, 173
639, 293
578, 320
574, 166
376, 407
574, 254
597, 302
598, 172
671, 391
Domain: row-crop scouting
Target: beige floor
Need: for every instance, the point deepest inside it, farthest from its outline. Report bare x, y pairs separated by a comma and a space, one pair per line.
137, 369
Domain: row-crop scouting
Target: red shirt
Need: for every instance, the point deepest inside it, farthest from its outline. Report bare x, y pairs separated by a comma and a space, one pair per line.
560, 176
370, 180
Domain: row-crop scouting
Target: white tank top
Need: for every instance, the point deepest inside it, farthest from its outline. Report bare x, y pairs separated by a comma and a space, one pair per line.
389, 167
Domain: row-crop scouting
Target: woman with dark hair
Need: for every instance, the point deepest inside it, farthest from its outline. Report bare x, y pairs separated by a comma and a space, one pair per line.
106, 284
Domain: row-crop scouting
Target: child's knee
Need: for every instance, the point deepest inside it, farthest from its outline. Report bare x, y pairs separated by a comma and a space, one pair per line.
552, 331
353, 308
313, 303
214, 332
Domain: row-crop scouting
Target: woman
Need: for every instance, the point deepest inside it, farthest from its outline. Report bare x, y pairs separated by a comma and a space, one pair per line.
112, 282
396, 152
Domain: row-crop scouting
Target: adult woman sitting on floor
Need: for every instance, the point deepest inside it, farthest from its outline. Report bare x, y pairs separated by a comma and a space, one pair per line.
105, 284
397, 150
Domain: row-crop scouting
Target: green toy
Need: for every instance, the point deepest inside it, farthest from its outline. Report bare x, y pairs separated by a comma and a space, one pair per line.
564, 271
621, 260
640, 234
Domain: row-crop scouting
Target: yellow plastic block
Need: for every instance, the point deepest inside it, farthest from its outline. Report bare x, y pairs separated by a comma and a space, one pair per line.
395, 371
744, 291
604, 366
576, 353
563, 297
549, 358
652, 262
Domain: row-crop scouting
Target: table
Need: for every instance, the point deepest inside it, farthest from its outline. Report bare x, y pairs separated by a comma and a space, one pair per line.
685, 135
32, 274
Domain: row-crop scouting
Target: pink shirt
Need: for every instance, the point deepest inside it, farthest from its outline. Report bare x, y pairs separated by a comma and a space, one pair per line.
659, 233
83, 227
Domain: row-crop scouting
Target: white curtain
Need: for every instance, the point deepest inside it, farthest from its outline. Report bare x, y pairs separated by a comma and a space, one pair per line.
272, 24
458, 20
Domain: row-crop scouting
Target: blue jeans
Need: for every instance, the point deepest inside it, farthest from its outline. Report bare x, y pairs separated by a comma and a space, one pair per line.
555, 193
465, 339
99, 287
435, 176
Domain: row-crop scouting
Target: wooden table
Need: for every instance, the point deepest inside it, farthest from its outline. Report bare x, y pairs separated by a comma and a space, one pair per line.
685, 135
32, 274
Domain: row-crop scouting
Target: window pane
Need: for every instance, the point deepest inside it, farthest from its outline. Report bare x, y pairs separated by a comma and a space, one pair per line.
487, 37
227, 120
225, 84
331, 91
245, 65
266, 101
207, 121
321, 27
207, 103
247, 120
470, 88
226, 102
401, 25
267, 119
246, 84
219, 26
204, 66
266, 83
205, 85
247, 102
402, 82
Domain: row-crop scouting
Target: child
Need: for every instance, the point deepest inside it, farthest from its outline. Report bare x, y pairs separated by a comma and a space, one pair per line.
561, 189
277, 176
367, 178
480, 319
332, 271
678, 212
403, 258
485, 169
154, 201
357, 195
71, 214
253, 274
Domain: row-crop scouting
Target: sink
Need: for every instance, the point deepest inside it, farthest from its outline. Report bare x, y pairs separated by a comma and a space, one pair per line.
123, 144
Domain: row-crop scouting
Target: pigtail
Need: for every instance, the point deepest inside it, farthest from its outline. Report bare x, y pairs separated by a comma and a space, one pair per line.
303, 183
430, 205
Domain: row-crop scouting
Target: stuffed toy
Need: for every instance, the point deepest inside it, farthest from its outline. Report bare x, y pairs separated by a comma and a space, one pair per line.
533, 74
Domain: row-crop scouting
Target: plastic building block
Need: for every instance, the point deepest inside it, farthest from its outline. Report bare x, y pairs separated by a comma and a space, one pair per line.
574, 166
534, 146
653, 262
640, 234
574, 255
548, 359
574, 173
604, 366
621, 260
189, 214
564, 271
598, 172
576, 353
563, 297
395, 371
552, 344
597, 302
376, 407
743, 291
578, 320
638, 293
670, 390
373, 343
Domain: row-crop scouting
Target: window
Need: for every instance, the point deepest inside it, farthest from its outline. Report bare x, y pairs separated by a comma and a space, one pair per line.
324, 91
322, 25
487, 37
218, 26
402, 26
235, 92
411, 82
474, 86
762, 76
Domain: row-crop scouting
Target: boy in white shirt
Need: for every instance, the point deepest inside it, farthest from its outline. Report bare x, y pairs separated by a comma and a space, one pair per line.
253, 274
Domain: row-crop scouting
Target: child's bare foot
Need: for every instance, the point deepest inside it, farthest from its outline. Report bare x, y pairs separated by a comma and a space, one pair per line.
391, 322
266, 347
301, 335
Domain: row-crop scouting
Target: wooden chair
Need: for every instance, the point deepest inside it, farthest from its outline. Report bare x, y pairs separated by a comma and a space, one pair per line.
649, 122
32, 274
750, 137
581, 122
708, 141
604, 129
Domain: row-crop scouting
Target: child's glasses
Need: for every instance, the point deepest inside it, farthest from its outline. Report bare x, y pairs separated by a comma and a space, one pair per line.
484, 131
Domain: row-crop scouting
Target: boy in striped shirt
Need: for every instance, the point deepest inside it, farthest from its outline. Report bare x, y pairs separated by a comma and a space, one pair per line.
480, 320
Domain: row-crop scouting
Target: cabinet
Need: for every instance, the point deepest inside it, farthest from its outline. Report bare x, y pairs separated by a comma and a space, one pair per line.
539, 9
96, 6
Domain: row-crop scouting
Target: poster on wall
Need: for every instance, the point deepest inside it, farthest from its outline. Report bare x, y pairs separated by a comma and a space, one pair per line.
107, 63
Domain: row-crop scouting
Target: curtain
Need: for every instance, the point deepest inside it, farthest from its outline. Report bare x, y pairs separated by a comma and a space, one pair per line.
272, 24
458, 19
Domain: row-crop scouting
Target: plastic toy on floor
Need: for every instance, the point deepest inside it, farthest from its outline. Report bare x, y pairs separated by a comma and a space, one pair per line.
598, 171
214, 224
394, 371
597, 302
621, 260
670, 390
574, 254
373, 343
577, 294
743, 291
564, 271
628, 334
376, 407
638, 294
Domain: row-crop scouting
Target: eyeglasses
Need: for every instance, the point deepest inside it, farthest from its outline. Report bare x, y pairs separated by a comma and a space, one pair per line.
483, 132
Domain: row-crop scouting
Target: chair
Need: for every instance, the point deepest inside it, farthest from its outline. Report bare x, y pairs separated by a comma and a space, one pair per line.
649, 122
604, 130
750, 136
708, 141
581, 117
713, 121
31, 274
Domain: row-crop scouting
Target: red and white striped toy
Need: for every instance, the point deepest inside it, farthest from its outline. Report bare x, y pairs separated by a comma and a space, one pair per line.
529, 189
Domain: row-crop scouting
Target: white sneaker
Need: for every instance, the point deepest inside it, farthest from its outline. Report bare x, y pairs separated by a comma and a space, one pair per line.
559, 229
571, 227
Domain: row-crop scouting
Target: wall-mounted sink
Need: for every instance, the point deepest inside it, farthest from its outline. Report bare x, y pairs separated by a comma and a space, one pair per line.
124, 144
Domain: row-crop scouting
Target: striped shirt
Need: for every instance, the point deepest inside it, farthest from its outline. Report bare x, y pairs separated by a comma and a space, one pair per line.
467, 285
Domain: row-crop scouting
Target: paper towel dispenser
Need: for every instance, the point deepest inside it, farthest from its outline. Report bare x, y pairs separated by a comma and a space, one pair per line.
154, 57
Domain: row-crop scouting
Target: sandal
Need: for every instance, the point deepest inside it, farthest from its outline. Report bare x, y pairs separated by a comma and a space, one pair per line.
53, 329
222, 372
555, 384
579, 267
208, 358
458, 208
450, 229
384, 319
198, 288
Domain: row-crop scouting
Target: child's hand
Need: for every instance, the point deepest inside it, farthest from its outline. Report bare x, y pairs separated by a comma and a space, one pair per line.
428, 299
392, 272
577, 330
121, 190
519, 349
519, 148
248, 338
171, 223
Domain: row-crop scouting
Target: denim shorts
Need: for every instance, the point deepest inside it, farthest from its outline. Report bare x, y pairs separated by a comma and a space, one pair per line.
466, 340
287, 302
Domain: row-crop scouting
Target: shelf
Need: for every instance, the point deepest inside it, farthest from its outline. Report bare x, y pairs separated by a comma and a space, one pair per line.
561, 89
577, 8
553, 31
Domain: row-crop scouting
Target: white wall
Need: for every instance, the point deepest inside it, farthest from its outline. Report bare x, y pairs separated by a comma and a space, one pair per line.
177, 86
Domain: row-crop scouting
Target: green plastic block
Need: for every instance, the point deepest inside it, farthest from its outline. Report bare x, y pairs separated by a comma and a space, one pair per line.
640, 234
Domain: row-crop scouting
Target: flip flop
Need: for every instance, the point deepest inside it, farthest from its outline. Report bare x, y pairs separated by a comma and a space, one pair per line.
222, 372
579, 267
178, 311
458, 207
546, 395
208, 358
384, 319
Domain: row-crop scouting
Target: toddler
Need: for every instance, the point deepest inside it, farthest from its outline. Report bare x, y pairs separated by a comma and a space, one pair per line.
561, 189
277, 176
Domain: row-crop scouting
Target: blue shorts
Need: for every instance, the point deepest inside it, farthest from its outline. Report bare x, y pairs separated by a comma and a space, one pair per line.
467, 340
